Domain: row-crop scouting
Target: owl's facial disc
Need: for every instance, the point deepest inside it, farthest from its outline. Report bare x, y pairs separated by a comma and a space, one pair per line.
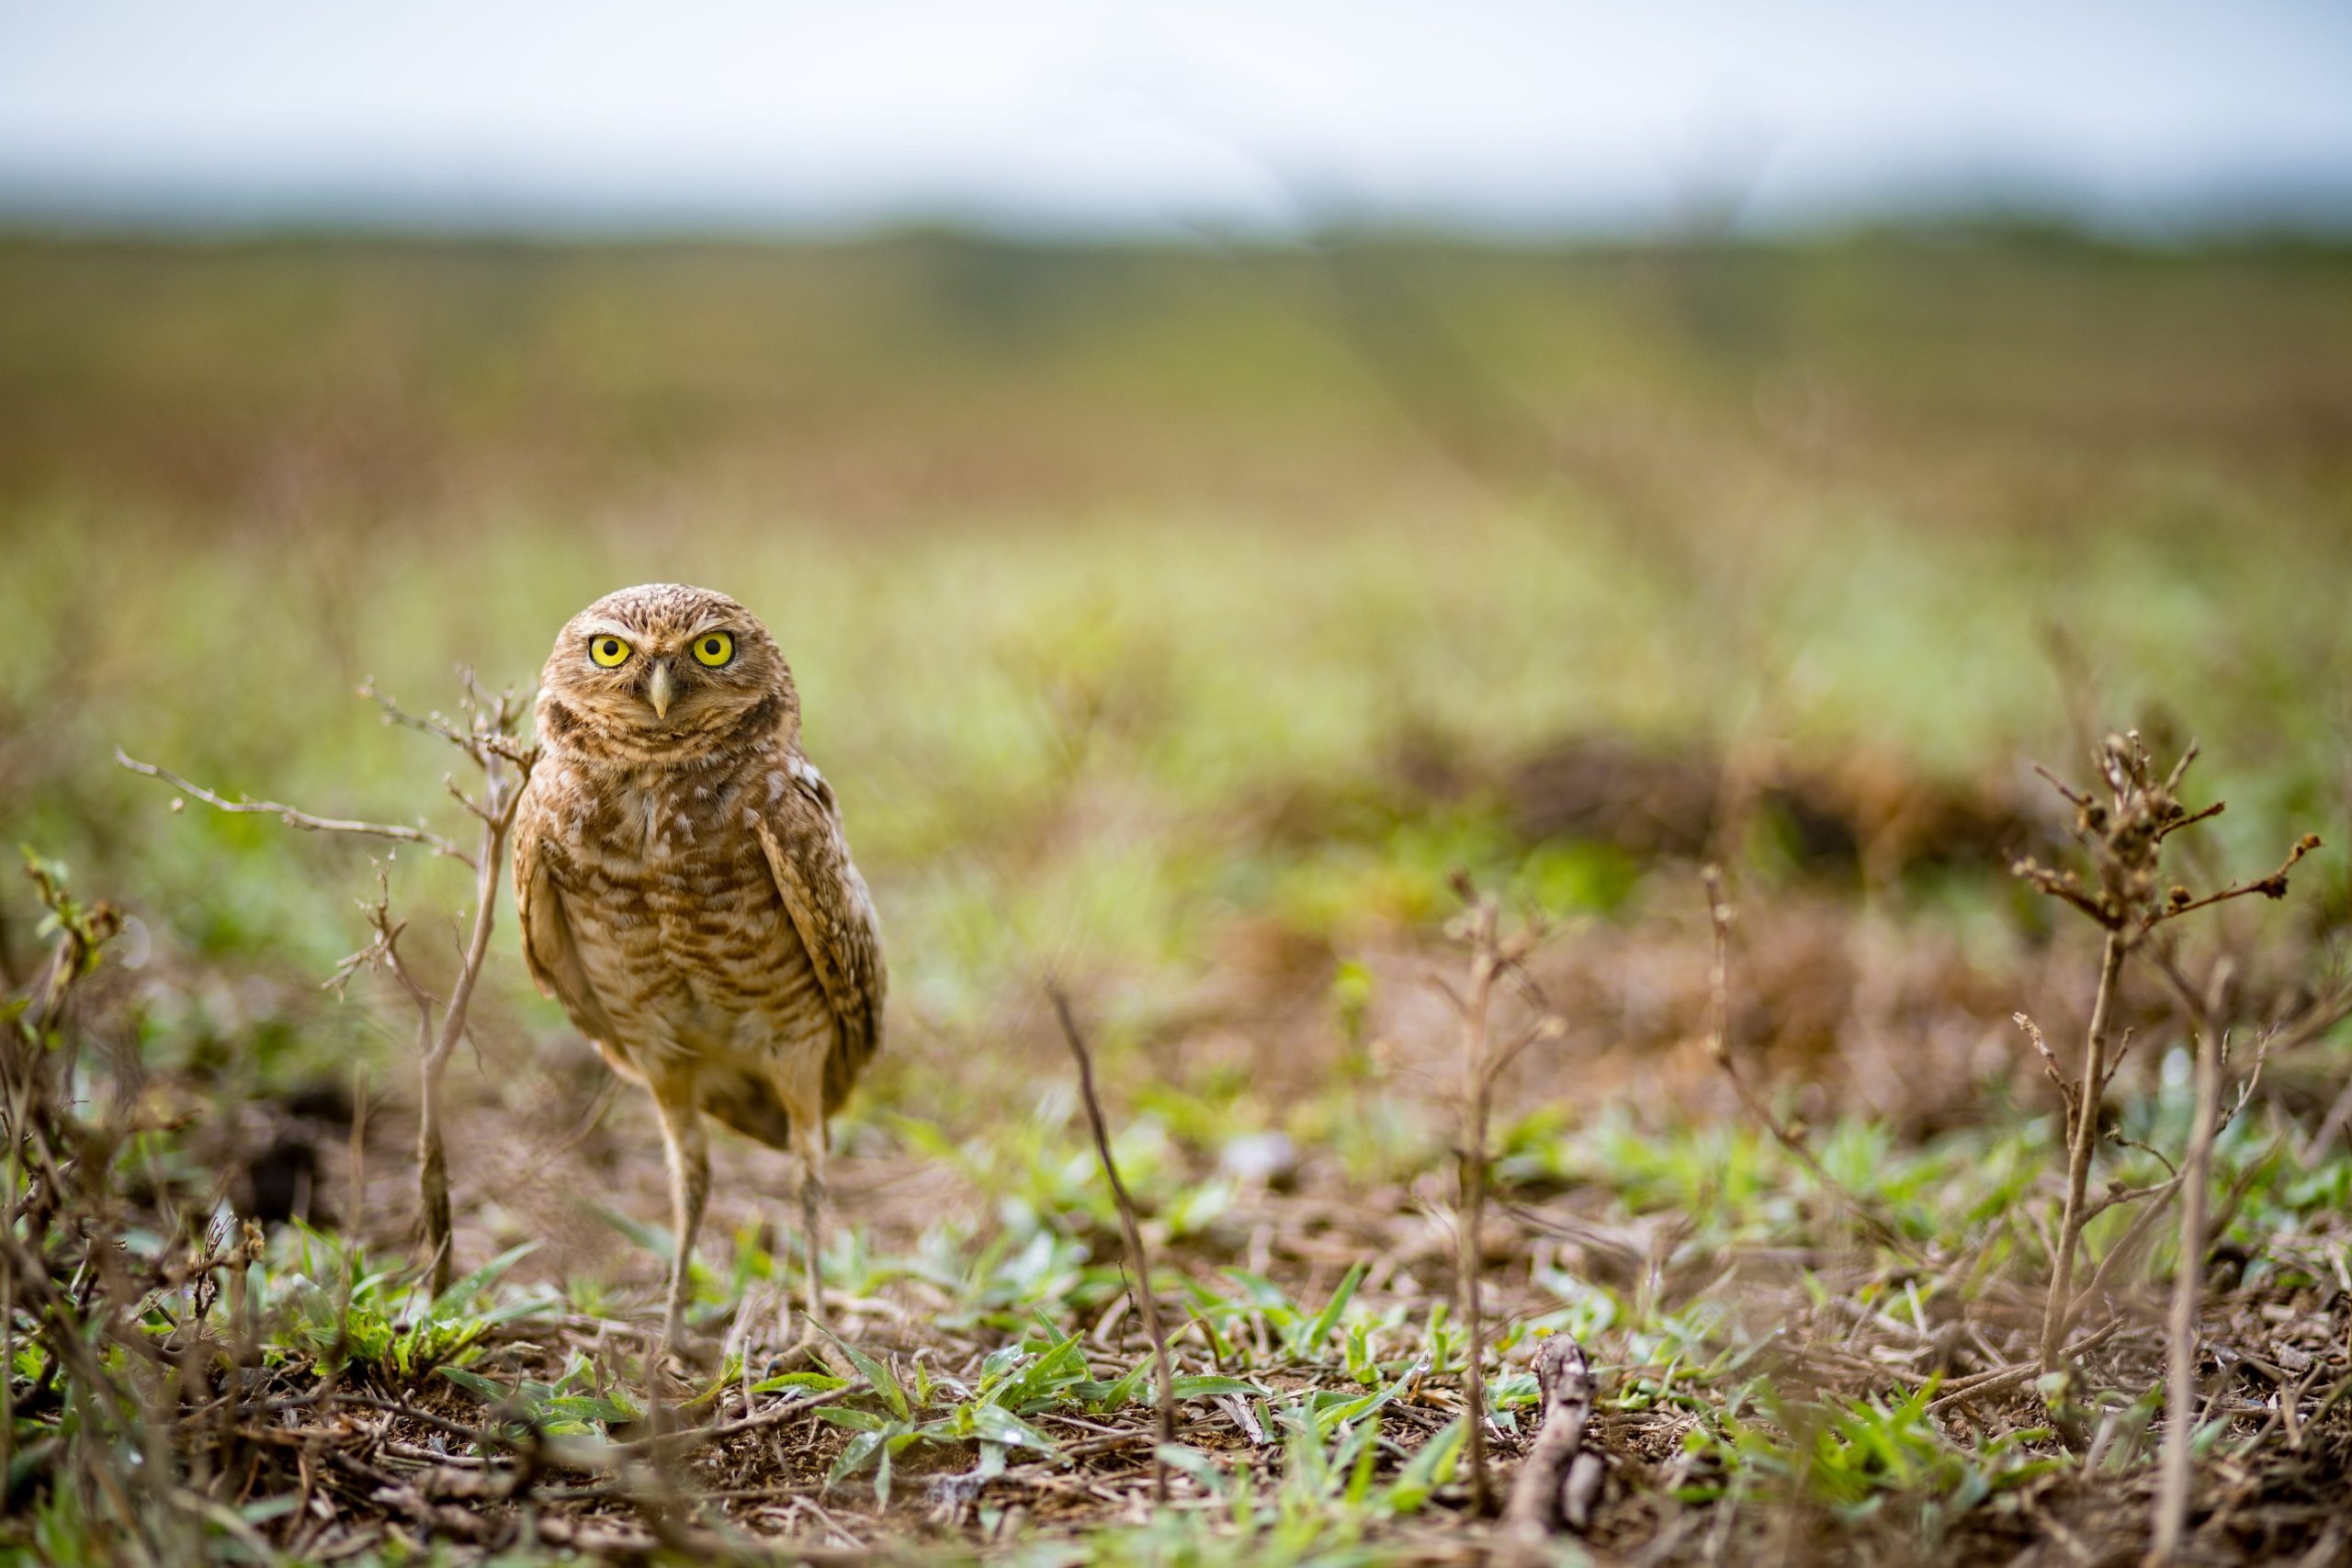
664, 670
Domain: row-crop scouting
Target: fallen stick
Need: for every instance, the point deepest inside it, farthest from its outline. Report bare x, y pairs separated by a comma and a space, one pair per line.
1559, 1481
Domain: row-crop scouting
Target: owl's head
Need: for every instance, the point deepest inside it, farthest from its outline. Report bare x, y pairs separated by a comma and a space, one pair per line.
662, 671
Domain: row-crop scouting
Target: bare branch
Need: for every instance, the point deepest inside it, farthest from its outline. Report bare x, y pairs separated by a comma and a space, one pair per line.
1961, 1390
2082, 1139
2117, 1196
429, 724
1548, 1027
1478, 928
2181, 771
2049, 1062
2177, 823
294, 816
2065, 885
502, 794
2271, 886
2115, 1060
473, 808
1444, 987
2152, 1152
2074, 797
491, 721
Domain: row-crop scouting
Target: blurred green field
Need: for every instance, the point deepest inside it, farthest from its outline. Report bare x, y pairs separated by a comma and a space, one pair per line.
1177, 622
1088, 562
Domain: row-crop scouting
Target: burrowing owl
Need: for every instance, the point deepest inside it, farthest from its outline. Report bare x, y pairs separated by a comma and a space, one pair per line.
686, 892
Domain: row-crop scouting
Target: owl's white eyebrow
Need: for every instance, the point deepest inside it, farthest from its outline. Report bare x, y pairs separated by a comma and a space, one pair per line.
608, 629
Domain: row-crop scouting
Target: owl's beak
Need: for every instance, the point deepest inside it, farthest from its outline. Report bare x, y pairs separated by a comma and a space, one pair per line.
660, 688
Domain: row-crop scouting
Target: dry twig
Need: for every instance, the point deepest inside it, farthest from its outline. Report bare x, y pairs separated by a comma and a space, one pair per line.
294, 816
2123, 830
1720, 915
2188, 1283
1559, 1481
489, 742
2123, 833
1493, 957
1138, 1259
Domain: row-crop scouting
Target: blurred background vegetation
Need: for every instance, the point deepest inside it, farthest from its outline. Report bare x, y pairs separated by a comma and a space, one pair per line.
1143, 594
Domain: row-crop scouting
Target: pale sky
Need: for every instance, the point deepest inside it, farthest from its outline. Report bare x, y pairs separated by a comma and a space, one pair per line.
1045, 116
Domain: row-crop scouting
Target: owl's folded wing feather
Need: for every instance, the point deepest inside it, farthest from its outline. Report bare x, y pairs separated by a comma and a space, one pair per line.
826, 897
548, 951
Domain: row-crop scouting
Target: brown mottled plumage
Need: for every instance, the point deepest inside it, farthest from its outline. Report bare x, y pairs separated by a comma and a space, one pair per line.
685, 889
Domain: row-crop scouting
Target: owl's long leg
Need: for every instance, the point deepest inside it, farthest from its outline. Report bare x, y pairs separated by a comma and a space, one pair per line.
689, 1152
812, 1202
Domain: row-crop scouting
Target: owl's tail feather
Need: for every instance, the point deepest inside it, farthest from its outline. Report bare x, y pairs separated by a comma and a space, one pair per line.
749, 1105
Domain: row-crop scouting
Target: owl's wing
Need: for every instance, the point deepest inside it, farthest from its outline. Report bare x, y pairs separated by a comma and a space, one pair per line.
548, 951
801, 833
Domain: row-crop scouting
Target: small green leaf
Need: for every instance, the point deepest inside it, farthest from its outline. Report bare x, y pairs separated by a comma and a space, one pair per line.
873, 1372
1206, 1385
1427, 1471
855, 1420
861, 1452
464, 1290
1310, 1335
480, 1387
999, 1425
815, 1383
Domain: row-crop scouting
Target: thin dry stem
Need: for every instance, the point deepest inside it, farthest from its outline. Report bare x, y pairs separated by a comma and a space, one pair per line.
2271, 886
502, 793
2187, 1287
2082, 1137
2194, 1179
293, 817
1477, 1084
1138, 1259
2124, 835
1494, 960
1720, 914
2049, 1063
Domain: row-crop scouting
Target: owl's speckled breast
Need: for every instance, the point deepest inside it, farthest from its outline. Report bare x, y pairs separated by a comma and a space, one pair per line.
677, 915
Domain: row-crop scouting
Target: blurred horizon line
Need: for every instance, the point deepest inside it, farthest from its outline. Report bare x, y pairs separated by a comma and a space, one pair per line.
2314, 225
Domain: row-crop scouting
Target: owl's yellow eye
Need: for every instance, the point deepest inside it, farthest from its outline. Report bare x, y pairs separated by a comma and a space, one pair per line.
713, 649
610, 652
